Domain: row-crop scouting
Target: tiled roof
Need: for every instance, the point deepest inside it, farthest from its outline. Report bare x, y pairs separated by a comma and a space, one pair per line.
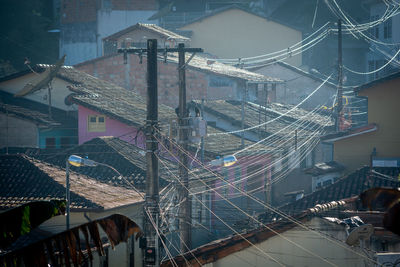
224, 144
118, 103
204, 64
33, 111
350, 133
230, 110
299, 71
348, 186
24, 179
150, 27
126, 158
324, 167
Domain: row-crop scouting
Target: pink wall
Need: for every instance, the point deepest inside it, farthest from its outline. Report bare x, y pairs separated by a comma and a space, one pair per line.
245, 164
113, 128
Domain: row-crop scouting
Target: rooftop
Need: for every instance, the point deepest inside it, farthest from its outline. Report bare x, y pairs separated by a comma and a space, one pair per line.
33, 111
126, 158
231, 110
378, 81
150, 27
24, 179
210, 66
349, 186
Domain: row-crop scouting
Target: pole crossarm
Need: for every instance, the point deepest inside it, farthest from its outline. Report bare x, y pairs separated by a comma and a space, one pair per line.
134, 50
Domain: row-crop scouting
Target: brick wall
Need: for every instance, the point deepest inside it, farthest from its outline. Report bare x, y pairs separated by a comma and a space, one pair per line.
132, 76
73, 11
134, 5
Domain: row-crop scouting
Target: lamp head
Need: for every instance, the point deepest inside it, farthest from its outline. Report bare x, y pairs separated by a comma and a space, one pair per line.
78, 161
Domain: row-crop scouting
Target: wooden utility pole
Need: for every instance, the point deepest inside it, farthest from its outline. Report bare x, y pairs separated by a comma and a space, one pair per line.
340, 78
185, 211
152, 196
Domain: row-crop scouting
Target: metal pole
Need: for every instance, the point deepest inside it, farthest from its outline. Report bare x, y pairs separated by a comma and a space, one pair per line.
152, 197
340, 77
49, 95
185, 210
67, 192
202, 138
244, 97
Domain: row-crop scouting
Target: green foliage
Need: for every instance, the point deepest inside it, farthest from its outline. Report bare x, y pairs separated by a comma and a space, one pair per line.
21, 220
25, 221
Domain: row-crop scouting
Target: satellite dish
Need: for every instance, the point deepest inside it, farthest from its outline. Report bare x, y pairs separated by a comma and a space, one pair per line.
362, 232
42, 80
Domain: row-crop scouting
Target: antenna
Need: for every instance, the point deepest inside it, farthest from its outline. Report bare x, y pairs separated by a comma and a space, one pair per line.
362, 233
43, 79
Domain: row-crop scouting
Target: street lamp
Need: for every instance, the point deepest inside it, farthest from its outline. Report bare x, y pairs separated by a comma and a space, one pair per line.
225, 161
78, 161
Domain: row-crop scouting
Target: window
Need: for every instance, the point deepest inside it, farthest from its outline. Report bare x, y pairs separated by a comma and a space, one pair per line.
216, 81
387, 29
96, 123
375, 30
50, 142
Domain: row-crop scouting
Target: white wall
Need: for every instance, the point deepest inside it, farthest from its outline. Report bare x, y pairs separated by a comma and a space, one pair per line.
58, 93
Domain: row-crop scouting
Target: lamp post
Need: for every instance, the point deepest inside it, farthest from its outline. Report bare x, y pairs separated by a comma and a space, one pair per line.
78, 161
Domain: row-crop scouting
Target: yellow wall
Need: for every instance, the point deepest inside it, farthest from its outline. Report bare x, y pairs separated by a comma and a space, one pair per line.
235, 33
384, 110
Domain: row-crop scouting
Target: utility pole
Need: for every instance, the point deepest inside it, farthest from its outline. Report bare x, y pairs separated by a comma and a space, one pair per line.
340, 78
185, 211
151, 255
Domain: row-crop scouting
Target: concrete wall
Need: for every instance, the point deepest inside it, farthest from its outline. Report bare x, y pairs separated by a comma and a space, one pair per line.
297, 87
85, 23
354, 152
238, 34
295, 253
15, 132
132, 76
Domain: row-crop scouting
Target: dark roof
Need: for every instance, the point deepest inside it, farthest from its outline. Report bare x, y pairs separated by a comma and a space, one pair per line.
126, 158
24, 179
230, 110
150, 27
324, 167
224, 144
33, 111
350, 133
378, 81
229, 7
351, 185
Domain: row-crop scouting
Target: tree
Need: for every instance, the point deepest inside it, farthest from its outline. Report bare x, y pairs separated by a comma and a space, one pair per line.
24, 32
